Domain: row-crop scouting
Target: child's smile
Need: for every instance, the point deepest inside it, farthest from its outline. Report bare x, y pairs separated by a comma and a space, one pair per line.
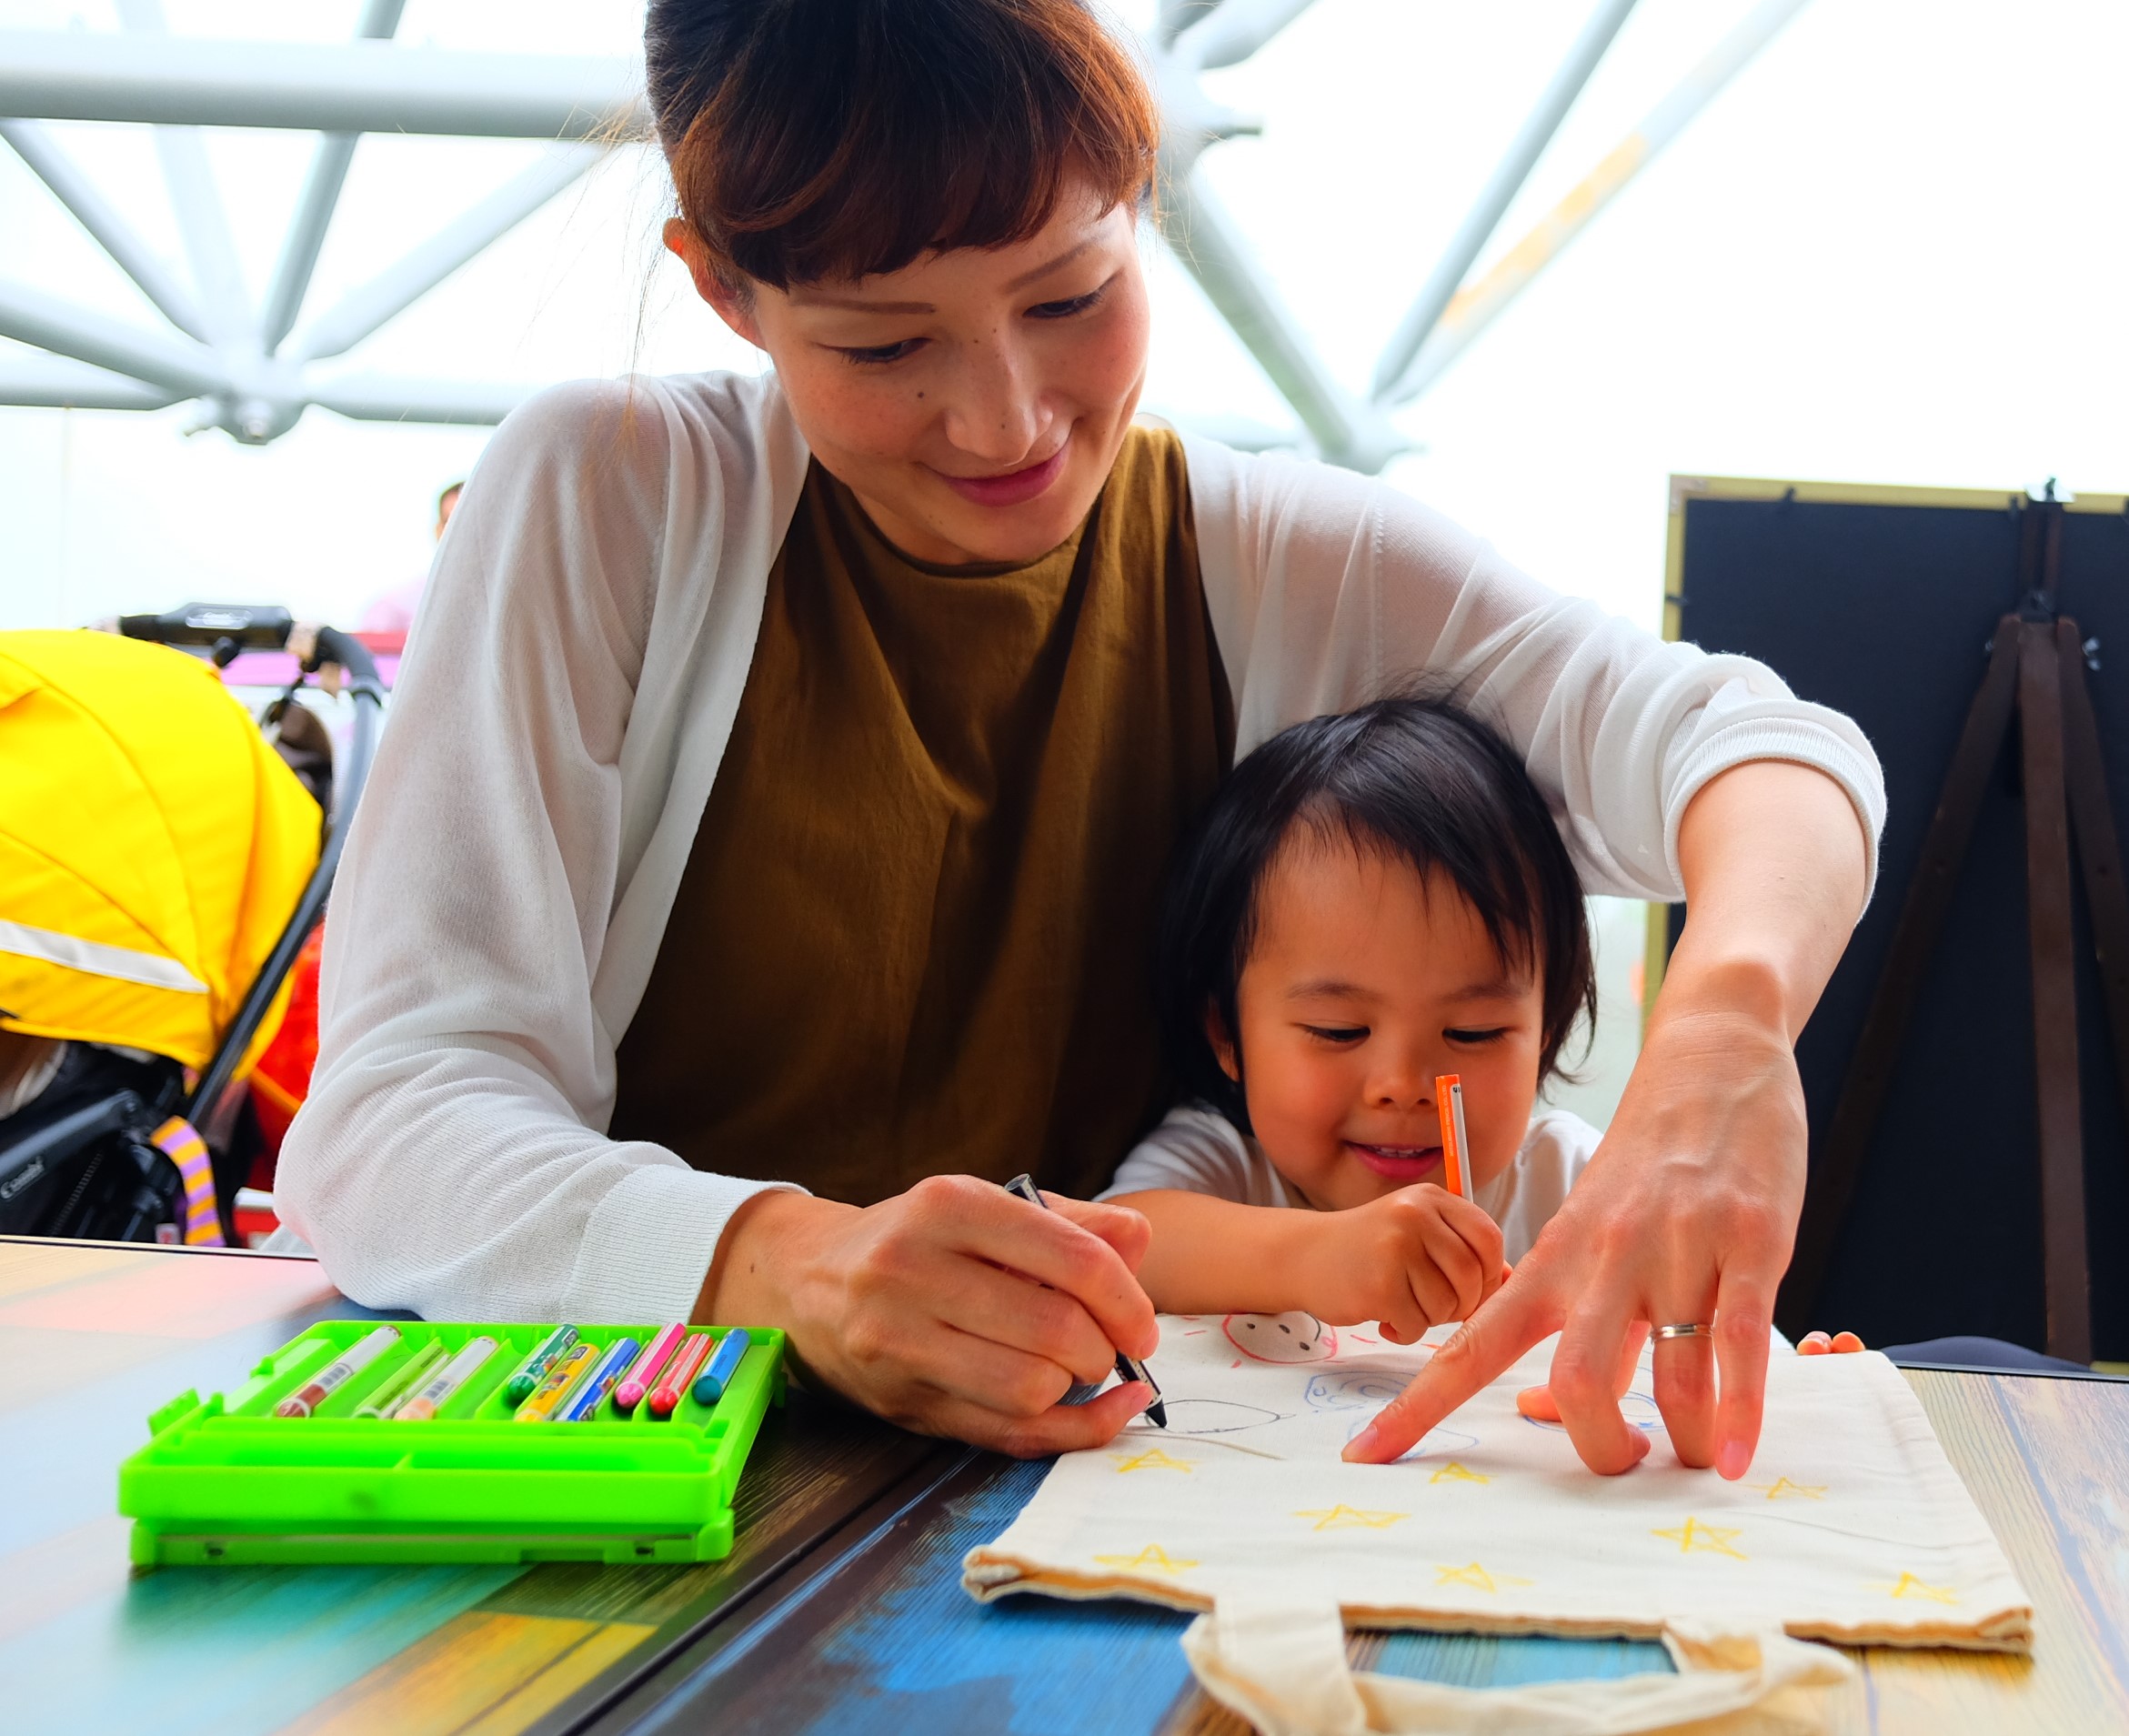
1404, 1164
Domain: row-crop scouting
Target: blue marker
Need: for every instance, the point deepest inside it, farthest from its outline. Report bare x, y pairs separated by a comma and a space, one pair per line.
611, 1367
710, 1384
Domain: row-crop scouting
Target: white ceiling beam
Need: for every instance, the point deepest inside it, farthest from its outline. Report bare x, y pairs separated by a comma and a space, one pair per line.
35, 144
55, 383
347, 88
32, 316
321, 195
393, 290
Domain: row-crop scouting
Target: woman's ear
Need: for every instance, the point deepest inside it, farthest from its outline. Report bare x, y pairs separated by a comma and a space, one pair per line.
1223, 1049
732, 306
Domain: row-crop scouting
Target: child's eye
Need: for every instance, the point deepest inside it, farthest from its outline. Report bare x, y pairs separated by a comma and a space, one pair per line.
1493, 1036
879, 354
1337, 1033
1066, 309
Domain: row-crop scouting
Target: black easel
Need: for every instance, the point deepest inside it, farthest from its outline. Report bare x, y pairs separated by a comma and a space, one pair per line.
2036, 668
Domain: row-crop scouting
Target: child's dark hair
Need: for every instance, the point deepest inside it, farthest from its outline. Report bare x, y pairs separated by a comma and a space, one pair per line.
1416, 780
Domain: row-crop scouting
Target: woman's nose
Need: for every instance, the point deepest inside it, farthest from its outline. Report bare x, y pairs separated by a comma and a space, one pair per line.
997, 412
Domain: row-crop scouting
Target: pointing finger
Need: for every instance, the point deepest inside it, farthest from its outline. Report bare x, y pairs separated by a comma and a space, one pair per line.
1517, 1317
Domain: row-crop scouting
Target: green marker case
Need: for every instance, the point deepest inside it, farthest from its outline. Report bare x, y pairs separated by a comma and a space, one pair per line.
226, 1482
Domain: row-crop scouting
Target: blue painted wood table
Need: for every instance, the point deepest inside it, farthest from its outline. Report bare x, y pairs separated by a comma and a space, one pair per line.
841, 1607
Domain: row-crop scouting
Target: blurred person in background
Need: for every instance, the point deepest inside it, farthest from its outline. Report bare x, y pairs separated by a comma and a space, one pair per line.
393, 612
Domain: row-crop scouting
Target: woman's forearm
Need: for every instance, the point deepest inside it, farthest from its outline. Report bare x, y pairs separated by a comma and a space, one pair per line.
1776, 863
1210, 1256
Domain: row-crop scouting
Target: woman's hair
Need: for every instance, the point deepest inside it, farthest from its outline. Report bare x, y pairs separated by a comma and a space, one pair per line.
1411, 780
830, 139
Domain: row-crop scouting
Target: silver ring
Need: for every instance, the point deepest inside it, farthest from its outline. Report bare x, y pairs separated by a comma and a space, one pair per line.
1690, 1329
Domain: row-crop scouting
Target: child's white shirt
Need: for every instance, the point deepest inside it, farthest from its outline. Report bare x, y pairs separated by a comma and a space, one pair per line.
1197, 1149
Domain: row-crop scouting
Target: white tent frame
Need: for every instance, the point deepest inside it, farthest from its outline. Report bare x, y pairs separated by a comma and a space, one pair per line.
253, 372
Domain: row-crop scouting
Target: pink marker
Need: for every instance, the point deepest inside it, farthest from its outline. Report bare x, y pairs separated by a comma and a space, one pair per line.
666, 1398
640, 1380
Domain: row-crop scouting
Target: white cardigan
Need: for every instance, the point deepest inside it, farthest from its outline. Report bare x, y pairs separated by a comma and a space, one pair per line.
577, 666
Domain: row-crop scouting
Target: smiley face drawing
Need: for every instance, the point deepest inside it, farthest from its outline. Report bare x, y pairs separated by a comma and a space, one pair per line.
1293, 1337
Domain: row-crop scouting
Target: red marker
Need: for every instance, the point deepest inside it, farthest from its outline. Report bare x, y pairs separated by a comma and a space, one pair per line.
1456, 1174
335, 1375
640, 1379
678, 1373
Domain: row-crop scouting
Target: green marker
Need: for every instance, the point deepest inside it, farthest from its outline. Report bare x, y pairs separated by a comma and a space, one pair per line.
537, 1367
385, 1398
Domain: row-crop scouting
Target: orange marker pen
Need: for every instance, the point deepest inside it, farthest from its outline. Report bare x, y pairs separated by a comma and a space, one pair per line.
1455, 1143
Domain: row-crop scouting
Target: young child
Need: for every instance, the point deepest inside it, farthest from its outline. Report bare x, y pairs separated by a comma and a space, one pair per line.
1372, 900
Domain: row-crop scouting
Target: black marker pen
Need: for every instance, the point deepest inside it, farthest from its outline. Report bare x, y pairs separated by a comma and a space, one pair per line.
1127, 1368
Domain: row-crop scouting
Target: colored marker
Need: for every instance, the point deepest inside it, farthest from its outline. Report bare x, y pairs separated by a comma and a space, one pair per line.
636, 1383
412, 1373
612, 1366
537, 1367
1455, 1142
443, 1388
670, 1391
1127, 1368
329, 1379
731, 1350
560, 1382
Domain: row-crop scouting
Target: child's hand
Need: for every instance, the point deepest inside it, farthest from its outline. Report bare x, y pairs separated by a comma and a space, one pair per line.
1819, 1344
1411, 1260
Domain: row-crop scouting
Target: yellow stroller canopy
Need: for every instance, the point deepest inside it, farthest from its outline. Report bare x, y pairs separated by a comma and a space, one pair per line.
152, 845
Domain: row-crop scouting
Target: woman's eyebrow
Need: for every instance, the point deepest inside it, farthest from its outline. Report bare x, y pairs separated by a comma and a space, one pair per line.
1064, 259
857, 303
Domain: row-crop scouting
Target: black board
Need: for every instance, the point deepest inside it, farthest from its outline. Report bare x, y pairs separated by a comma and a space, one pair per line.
1880, 603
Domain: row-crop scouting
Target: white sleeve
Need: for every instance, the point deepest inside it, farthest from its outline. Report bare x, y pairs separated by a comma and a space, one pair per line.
1327, 589
450, 1158
1195, 1151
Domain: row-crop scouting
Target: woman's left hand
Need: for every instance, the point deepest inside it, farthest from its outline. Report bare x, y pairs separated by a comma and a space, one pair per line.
1684, 1215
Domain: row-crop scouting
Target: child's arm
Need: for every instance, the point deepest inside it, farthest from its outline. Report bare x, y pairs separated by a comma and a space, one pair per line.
1411, 1260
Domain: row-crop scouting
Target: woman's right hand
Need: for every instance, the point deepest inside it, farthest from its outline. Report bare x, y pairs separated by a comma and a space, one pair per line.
954, 1309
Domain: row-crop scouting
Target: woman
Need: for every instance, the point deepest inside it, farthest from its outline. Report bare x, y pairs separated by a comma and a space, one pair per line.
778, 793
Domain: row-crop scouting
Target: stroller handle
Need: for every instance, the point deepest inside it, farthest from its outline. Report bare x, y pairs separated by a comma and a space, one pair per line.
216, 624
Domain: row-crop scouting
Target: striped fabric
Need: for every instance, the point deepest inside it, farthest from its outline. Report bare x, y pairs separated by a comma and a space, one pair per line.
179, 1141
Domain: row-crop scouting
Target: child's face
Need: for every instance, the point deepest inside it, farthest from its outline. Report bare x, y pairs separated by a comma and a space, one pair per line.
1365, 983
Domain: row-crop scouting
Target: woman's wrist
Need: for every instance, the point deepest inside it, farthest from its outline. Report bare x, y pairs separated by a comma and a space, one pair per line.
762, 1267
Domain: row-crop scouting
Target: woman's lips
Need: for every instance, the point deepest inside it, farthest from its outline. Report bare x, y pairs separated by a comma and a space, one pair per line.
1398, 1162
1014, 486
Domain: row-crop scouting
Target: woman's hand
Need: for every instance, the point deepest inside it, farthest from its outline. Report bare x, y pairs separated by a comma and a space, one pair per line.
953, 1309
1819, 1344
1688, 1212
1411, 1260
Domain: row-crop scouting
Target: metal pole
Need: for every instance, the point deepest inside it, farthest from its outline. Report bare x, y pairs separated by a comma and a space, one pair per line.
373, 398
363, 310
321, 194
185, 369
225, 305
1499, 191
55, 383
1475, 308
1213, 252
347, 87
111, 232
1233, 30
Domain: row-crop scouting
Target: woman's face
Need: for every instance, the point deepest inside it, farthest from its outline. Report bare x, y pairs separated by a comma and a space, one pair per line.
972, 401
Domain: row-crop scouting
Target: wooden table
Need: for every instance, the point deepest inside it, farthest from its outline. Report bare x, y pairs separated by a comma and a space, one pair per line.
841, 1607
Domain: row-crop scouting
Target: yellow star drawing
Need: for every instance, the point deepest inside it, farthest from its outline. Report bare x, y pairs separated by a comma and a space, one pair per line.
1714, 1540
1152, 1459
1908, 1586
1782, 1489
1342, 1517
1453, 1472
1152, 1559
1475, 1576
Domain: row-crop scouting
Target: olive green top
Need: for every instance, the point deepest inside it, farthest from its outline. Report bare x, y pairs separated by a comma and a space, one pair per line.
926, 883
